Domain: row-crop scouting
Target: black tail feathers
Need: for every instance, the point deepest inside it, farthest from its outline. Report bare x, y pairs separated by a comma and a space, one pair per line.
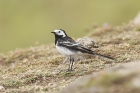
104, 56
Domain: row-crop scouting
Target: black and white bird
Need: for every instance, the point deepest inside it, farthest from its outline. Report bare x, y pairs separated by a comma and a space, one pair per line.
69, 48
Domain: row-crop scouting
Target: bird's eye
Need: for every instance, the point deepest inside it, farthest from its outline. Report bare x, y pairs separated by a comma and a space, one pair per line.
59, 32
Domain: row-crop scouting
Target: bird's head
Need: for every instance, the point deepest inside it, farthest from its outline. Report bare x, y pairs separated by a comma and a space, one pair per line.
59, 32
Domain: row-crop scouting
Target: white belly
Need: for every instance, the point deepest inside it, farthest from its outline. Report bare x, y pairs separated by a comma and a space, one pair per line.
65, 51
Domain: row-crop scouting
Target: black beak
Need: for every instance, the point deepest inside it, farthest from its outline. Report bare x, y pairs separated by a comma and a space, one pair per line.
52, 32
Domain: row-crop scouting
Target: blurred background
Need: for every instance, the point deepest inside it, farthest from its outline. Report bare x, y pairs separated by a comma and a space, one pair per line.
23, 23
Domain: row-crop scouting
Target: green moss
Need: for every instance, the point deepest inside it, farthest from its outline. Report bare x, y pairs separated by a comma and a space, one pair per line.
45, 89
29, 80
137, 28
104, 80
66, 74
8, 60
12, 83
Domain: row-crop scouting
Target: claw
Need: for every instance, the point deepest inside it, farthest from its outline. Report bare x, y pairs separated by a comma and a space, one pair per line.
69, 70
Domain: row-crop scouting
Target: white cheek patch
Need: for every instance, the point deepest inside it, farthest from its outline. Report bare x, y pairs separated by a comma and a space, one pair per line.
59, 32
62, 33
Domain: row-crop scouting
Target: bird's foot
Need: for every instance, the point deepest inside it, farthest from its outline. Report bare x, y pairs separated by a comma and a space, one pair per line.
69, 70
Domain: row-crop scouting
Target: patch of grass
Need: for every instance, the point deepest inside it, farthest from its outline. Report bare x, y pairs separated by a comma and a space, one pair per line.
30, 80
40, 68
8, 60
45, 89
66, 74
12, 83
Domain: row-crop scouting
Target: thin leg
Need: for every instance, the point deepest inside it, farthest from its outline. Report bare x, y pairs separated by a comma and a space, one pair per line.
71, 63
65, 60
72, 60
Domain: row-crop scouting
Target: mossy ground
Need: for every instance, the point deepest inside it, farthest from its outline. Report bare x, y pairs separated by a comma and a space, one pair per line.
40, 68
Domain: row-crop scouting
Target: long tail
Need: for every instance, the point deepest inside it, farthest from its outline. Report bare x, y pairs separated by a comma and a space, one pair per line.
85, 50
103, 56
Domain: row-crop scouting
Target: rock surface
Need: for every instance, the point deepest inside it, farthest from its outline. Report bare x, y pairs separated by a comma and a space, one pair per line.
2, 88
137, 19
87, 42
124, 78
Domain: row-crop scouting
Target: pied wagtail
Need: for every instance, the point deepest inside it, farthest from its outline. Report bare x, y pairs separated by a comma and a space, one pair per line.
69, 48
